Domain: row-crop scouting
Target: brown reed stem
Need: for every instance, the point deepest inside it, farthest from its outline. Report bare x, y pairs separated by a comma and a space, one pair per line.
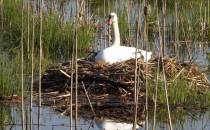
76, 67
22, 73
83, 85
164, 77
145, 40
40, 62
164, 25
28, 28
156, 86
136, 85
205, 23
208, 16
128, 20
72, 83
176, 30
2, 14
105, 25
32, 67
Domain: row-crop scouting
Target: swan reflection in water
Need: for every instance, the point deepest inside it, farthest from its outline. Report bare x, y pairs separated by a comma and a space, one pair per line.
108, 124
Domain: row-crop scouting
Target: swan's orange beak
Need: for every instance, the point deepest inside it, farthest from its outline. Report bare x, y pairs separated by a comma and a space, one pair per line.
109, 21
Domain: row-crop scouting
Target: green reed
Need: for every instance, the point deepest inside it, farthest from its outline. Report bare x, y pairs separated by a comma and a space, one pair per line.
58, 39
5, 117
181, 92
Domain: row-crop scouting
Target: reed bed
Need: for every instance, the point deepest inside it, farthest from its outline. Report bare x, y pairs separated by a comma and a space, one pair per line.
57, 36
111, 86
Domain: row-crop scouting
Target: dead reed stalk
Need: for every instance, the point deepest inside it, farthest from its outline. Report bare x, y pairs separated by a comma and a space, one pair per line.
128, 11
32, 67
22, 73
164, 76
176, 30
76, 67
164, 25
105, 25
28, 28
40, 60
2, 14
72, 83
145, 40
208, 15
136, 85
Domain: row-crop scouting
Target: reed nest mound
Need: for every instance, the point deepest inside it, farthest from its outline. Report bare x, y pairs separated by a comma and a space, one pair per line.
110, 88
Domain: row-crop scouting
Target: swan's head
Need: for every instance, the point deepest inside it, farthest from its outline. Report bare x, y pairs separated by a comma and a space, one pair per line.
112, 18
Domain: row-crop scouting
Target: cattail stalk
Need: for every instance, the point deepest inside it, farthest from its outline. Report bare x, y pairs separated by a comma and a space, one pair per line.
40, 62
22, 73
2, 14
205, 22
72, 83
86, 93
208, 15
76, 67
156, 86
164, 77
176, 30
40, 53
71, 97
28, 27
164, 25
128, 19
145, 40
136, 87
105, 25
156, 91
32, 67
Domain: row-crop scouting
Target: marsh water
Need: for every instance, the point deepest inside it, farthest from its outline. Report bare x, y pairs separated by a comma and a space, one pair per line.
52, 120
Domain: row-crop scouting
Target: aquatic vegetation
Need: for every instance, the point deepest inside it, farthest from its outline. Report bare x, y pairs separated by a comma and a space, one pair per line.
9, 76
58, 39
181, 93
5, 116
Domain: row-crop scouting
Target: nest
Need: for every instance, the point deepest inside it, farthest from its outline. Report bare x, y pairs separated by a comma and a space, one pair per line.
112, 86
103, 79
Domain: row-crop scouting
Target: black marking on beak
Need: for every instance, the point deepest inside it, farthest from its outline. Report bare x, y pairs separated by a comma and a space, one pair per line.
110, 16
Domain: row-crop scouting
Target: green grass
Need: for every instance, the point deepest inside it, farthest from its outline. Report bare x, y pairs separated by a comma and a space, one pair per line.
58, 39
181, 92
5, 116
9, 76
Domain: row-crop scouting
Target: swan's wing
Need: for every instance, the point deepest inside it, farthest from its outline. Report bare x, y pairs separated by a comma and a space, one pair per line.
115, 54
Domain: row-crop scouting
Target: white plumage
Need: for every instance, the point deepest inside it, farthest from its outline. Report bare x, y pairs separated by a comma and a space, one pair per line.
117, 53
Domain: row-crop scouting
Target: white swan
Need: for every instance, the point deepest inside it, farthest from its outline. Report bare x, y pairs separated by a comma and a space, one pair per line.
117, 53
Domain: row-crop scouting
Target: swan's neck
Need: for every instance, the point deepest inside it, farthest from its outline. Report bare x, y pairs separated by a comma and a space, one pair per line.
116, 34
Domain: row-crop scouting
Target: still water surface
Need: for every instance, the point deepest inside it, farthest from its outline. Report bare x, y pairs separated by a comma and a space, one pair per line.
52, 120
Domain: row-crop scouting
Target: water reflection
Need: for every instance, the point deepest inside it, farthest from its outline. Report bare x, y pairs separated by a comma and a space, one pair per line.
4, 116
51, 120
113, 125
